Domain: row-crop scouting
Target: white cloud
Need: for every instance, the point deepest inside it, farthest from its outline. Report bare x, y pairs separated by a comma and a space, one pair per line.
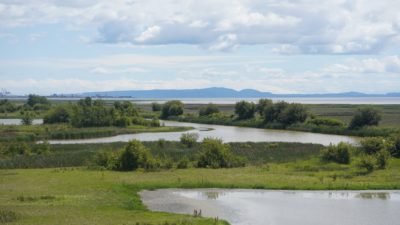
150, 33
304, 26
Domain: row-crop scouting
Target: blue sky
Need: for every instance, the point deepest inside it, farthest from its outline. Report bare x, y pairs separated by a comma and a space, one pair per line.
282, 46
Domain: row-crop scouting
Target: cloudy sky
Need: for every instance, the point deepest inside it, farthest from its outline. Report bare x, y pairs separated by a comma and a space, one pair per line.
282, 46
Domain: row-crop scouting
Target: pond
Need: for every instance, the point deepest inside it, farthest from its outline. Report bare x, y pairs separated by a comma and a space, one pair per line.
226, 133
266, 207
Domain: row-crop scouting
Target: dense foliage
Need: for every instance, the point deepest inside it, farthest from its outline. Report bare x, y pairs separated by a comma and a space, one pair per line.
58, 114
285, 113
365, 117
208, 110
189, 139
215, 154
245, 110
337, 153
172, 108
156, 107
7, 106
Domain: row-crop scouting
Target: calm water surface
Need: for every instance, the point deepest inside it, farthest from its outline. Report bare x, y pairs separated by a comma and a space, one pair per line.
264, 207
18, 121
226, 133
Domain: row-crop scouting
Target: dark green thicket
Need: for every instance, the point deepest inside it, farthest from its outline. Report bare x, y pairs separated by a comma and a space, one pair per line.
172, 108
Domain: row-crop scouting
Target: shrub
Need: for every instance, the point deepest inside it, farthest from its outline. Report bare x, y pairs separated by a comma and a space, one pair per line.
183, 163
367, 162
215, 154
135, 155
7, 216
245, 110
58, 114
189, 139
293, 113
262, 104
372, 145
337, 153
395, 151
41, 148
122, 121
382, 159
325, 122
36, 99
27, 117
172, 108
365, 117
156, 107
126, 108
209, 110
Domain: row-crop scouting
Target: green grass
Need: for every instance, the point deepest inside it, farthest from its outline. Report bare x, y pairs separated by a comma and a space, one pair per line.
65, 131
73, 155
80, 196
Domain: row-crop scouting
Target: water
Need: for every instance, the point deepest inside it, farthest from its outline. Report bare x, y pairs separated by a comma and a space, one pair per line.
311, 100
18, 121
264, 207
226, 133
303, 100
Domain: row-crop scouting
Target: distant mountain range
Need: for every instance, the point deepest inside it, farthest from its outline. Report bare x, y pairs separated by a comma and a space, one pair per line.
218, 92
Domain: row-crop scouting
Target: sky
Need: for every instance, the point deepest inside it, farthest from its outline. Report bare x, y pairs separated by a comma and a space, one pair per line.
280, 46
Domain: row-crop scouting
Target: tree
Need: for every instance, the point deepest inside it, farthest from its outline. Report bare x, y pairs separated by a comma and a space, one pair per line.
245, 110
172, 108
36, 99
273, 111
209, 110
58, 114
293, 113
365, 117
126, 108
27, 117
156, 107
262, 104
134, 156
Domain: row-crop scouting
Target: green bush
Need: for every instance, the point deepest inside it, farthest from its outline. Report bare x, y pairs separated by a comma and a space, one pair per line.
156, 107
58, 114
209, 110
337, 153
382, 159
172, 108
372, 145
245, 110
183, 163
215, 154
365, 117
134, 156
189, 139
325, 122
395, 151
27, 117
367, 162
262, 104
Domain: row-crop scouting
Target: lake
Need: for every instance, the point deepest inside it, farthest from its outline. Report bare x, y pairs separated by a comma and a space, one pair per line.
267, 207
226, 133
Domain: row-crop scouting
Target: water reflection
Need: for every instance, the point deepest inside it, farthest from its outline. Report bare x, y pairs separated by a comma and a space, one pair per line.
375, 195
263, 207
214, 195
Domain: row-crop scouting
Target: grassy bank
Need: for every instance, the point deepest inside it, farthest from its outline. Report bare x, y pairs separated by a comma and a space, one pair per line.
65, 131
80, 196
79, 154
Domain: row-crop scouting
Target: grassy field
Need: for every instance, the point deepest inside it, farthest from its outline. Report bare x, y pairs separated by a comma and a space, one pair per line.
65, 131
342, 112
80, 154
80, 196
